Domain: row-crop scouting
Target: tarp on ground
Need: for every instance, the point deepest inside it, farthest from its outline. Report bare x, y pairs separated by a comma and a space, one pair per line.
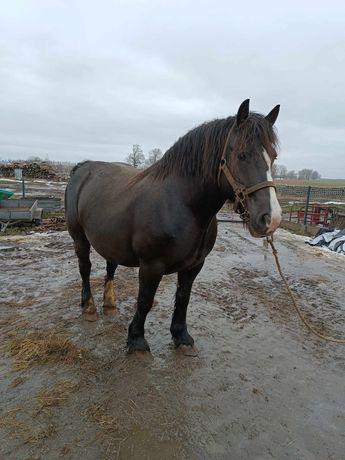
333, 239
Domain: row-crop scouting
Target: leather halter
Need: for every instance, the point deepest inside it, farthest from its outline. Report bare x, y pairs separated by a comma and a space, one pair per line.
241, 191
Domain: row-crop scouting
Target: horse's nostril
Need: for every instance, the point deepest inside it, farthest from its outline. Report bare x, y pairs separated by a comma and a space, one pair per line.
265, 220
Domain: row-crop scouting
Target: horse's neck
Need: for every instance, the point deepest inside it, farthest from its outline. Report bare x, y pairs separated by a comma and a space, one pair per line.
205, 199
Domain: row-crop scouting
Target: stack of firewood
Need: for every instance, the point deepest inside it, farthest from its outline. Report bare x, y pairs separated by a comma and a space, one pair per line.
31, 169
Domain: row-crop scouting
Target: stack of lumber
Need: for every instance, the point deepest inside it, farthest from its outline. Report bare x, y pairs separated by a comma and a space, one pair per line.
31, 169
55, 224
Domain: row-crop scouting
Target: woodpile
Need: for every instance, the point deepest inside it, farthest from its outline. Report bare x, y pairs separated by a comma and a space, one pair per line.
55, 224
31, 170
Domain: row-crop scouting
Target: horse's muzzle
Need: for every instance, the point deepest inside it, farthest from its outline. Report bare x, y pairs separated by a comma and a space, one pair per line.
264, 225
273, 224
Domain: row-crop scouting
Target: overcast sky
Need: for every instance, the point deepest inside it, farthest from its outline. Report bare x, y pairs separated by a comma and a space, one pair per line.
87, 79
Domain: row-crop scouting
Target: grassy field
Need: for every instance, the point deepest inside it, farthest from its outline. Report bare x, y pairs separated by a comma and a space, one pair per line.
313, 183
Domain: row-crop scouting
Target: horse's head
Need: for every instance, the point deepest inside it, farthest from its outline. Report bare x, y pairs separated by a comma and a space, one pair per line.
245, 170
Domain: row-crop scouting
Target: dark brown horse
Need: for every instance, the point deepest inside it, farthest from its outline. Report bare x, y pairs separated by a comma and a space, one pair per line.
163, 219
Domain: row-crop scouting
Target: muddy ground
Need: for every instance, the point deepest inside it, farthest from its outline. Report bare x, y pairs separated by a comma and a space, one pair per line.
259, 387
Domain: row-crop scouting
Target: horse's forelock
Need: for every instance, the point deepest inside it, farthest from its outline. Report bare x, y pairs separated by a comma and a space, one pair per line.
257, 127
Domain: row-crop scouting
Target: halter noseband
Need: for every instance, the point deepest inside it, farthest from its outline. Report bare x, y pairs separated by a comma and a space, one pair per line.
241, 191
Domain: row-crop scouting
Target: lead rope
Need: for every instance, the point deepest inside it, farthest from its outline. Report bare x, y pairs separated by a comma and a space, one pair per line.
269, 240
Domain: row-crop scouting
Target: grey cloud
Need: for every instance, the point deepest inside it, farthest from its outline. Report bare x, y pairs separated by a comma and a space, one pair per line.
80, 79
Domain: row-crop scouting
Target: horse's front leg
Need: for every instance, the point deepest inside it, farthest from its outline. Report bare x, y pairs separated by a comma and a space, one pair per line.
149, 279
178, 326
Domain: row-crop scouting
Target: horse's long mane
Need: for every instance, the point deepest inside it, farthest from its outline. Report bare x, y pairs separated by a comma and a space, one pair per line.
198, 153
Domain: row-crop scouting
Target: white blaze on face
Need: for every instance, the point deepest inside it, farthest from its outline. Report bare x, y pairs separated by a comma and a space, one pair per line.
276, 212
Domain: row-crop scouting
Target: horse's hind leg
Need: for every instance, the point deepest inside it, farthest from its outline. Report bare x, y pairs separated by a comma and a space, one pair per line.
82, 249
109, 298
178, 326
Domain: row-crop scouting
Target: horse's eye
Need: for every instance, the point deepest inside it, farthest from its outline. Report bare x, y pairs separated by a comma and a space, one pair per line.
242, 156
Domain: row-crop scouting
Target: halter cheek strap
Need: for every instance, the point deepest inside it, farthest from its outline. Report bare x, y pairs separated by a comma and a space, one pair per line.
241, 191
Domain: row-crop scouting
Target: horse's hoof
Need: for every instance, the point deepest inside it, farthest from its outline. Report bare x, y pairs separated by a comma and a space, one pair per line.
89, 315
188, 350
109, 311
183, 339
137, 344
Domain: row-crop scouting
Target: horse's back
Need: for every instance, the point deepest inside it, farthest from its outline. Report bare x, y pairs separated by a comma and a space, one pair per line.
90, 184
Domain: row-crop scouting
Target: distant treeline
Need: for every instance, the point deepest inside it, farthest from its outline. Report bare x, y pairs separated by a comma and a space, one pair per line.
281, 172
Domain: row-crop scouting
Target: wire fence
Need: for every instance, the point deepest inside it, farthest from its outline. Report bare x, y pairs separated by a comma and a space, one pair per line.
313, 205
300, 192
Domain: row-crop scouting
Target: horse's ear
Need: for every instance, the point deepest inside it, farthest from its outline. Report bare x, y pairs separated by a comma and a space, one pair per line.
273, 115
243, 112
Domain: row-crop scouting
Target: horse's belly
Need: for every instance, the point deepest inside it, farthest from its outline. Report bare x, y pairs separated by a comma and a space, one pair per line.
117, 250
183, 265
118, 257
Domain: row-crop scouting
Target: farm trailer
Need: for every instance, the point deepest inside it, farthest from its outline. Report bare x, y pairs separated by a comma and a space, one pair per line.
13, 211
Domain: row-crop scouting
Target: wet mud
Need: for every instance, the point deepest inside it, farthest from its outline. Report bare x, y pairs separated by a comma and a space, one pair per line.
260, 385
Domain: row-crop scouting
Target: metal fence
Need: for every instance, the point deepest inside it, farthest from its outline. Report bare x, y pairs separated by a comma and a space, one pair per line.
299, 192
312, 205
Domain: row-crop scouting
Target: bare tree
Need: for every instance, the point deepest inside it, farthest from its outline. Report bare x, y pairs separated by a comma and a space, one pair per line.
305, 174
136, 157
279, 171
282, 171
275, 170
154, 155
291, 174
315, 175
